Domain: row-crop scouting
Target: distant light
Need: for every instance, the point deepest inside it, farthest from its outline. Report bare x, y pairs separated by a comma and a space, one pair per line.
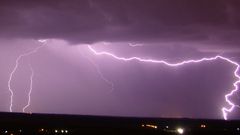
42, 130
20, 130
180, 130
6, 131
203, 126
151, 126
167, 127
62, 131
238, 129
66, 131
143, 125
56, 131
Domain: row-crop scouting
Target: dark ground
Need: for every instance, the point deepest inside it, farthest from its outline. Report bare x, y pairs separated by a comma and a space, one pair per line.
46, 124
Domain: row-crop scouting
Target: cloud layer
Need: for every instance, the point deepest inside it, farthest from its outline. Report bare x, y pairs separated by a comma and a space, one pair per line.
214, 22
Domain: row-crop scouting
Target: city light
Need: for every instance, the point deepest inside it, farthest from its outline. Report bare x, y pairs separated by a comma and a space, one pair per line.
150, 126
203, 126
180, 130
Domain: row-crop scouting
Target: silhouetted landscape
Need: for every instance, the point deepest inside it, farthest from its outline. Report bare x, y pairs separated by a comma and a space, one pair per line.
48, 124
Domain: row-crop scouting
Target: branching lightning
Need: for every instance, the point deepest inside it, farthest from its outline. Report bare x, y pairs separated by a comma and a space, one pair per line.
225, 110
30, 89
100, 73
15, 69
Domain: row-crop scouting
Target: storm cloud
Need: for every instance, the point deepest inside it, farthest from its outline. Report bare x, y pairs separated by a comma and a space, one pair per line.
215, 22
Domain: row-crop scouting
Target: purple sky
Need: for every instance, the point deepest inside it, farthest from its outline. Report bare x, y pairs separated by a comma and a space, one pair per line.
66, 73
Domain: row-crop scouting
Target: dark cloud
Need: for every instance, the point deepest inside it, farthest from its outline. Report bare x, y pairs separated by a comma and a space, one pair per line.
197, 21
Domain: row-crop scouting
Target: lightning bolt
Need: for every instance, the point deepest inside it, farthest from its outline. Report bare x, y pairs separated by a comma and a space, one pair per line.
100, 73
15, 69
30, 89
225, 110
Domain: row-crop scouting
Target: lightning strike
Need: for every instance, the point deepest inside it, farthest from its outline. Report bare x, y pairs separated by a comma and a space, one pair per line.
30, 89
225, 110
100, 73
16, 67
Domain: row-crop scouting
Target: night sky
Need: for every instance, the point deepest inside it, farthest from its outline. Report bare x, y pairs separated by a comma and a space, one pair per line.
70, 79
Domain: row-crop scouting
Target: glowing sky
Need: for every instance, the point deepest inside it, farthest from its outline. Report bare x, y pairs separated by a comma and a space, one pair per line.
68, 78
